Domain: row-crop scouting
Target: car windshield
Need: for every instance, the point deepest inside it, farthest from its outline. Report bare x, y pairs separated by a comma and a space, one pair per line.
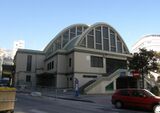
149, 93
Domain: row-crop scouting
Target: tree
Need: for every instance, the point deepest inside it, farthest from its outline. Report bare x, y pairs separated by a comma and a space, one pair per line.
144, 61
157, 55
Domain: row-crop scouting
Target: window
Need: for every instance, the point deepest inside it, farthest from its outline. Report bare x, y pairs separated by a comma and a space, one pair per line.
106, 44
72, 33
105, 32
70, 62
98, 37
124, 49
113, 41
90, 41
29, 62
83, 42
28, 78
91, 33
79, 30
124, 93
96, 61
58, 43
119, 45
99, 46
65, 38
52, 65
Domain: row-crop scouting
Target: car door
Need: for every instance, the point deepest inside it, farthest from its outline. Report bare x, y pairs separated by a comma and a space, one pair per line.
139, 99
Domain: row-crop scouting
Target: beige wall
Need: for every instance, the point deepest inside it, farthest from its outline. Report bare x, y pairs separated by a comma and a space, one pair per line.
55, 59
63, 63
21, 65
61, 81
82, 63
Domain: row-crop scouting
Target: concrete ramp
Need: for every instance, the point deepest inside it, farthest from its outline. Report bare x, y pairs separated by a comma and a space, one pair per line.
99, 86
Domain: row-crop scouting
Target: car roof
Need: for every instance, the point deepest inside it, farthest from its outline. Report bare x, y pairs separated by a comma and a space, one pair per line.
131, 89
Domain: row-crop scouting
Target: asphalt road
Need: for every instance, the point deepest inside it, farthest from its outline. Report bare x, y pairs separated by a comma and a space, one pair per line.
29, 104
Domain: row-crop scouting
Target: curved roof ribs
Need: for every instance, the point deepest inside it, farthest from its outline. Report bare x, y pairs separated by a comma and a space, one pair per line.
99, 27
63, 33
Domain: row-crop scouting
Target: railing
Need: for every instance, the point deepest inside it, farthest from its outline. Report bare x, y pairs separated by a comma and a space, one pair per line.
117, 73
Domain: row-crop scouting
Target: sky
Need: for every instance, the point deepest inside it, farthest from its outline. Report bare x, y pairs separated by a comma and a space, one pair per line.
38, 21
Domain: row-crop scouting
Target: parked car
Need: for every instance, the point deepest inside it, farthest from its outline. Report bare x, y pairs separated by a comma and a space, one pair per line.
136, 98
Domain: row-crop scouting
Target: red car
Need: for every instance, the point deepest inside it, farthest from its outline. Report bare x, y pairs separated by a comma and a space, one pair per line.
140, 98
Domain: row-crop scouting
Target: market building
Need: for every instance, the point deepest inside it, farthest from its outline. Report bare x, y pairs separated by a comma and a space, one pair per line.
95, 55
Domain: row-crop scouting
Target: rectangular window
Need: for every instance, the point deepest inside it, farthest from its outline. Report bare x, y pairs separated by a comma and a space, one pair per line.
52, 65
98, 37
96, 61
28, 78
106, 44
119, 45
99, 46
105, 32
48, 66
112, 41
90, 41
29, 63
70, 62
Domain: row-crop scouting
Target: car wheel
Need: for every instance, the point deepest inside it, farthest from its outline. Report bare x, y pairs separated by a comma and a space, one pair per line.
156, 109
118, 104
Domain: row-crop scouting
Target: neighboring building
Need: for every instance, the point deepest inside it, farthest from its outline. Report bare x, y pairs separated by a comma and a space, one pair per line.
28, 64
5, 58
8, 73
19, 44
96, 55
150, 42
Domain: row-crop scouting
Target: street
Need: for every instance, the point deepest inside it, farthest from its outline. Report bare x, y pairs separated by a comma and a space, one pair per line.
29, 104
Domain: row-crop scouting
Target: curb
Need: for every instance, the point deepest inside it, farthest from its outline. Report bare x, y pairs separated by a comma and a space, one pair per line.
74, 99
60, 97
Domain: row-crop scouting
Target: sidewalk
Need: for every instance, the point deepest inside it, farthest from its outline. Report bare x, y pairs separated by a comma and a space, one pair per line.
99, 99
70, 95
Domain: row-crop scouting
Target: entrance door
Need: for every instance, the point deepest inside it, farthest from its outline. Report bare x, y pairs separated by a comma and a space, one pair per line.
126, 82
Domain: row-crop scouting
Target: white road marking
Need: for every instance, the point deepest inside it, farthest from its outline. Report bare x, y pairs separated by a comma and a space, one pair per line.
37, 111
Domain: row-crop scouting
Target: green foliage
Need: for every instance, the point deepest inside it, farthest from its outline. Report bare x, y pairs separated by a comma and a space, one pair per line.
155, 90
144, 61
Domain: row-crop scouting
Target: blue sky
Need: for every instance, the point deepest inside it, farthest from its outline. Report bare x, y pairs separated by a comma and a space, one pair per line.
38, 21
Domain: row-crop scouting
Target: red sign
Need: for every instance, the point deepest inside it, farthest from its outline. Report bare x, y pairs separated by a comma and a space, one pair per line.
136, 74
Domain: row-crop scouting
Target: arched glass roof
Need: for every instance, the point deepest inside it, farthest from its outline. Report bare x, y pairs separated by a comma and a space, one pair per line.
100, 36
64, 37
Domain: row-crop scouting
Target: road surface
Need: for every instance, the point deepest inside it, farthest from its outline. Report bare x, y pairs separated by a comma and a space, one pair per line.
29, 104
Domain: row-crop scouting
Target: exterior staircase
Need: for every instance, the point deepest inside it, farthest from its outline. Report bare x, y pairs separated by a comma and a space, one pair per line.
99, 86
81, 89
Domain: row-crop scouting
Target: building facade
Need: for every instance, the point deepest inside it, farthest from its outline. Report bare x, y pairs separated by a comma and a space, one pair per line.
82, 52
150, 42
